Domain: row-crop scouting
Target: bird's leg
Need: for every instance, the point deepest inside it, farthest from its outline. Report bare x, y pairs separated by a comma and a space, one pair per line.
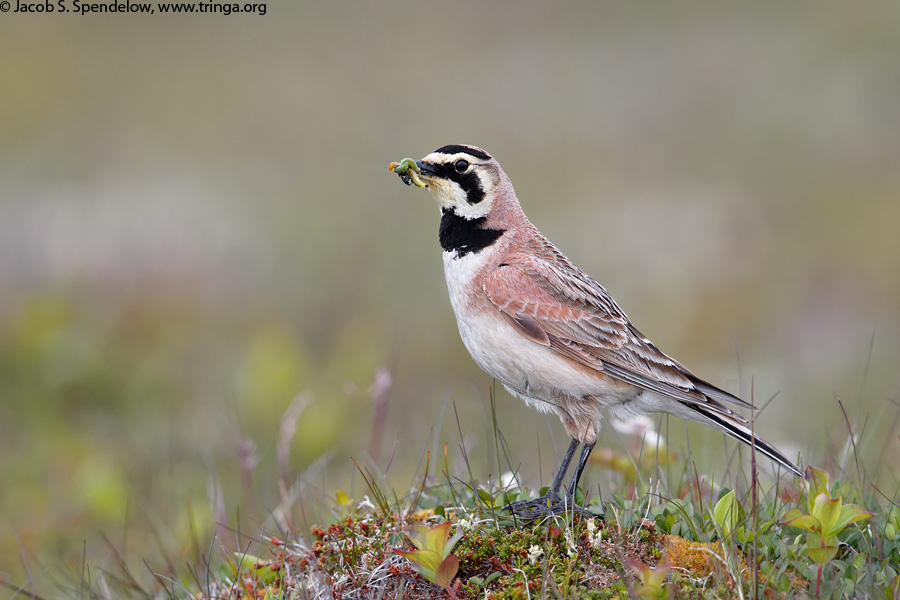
585, 453
563, 467
551, 503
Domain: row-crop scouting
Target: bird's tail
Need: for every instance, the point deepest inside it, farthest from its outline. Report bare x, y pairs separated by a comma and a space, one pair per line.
741, 432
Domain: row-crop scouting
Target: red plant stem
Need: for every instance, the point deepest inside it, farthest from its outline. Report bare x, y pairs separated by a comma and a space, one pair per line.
819, 578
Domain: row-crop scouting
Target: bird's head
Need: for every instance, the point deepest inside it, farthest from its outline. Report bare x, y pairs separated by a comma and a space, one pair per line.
463, 179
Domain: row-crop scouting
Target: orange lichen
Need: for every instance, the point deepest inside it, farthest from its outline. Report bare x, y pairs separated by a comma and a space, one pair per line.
695, 557
702, 559
420, 515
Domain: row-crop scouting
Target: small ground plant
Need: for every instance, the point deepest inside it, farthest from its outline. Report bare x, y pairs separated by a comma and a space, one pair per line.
825, 521
452, 538
455, 542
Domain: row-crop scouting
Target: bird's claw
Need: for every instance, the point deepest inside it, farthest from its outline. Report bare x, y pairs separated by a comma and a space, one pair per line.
546, 506
408, 171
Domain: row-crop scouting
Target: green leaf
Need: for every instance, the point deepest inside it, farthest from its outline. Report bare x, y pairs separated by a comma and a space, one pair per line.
247, 561
818, 484
726, 513
485, 497
890, 532
667, 523
261, 569
452, 541
432, 551
425, 562
795, 518
435, 537
652, 579
827, 510
821, 550
850, 513
859, 563
640, 569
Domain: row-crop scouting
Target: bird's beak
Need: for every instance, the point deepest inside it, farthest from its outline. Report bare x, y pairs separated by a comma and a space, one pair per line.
425, 170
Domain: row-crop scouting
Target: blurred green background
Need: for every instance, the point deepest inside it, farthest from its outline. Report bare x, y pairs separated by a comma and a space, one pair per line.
197, 224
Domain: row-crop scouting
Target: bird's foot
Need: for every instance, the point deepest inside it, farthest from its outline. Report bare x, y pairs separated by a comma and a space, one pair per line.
547, 505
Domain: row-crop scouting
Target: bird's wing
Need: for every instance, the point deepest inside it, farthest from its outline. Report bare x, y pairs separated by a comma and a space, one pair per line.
552, 302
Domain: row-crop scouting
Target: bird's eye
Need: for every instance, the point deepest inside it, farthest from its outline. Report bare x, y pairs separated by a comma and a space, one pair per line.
461, 165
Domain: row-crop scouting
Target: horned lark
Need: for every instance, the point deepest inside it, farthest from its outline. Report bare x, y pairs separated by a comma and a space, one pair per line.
546, 330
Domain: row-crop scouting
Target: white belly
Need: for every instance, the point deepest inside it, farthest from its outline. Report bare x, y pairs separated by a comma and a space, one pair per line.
527, 369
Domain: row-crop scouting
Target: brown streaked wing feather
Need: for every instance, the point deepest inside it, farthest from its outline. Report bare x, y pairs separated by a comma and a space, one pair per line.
582, 322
